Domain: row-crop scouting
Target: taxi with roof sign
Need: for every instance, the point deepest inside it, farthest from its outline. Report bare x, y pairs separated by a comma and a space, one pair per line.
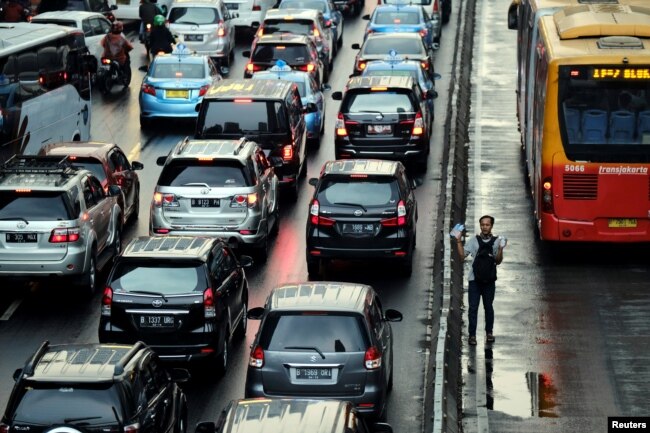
396, 65
404, 18
174, 84
309, 91
330, 13
378, 45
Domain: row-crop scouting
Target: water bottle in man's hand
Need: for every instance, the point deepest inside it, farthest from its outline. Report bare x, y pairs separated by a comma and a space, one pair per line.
503, 241
457, 231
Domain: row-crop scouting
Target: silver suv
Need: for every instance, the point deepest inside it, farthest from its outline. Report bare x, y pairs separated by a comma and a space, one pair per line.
56, 220
205, 27
225, 188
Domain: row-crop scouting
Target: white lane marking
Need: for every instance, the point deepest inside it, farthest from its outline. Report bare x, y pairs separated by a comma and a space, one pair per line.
12, 308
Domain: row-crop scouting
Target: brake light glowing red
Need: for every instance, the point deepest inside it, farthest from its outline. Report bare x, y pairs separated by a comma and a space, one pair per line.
257, 7
256, 358
341, 130
107, 301
418, 126
424, 32
132, 428
316, 219
243, 101
399, 220
64, 235
148, 89
209, 311
204, 90
372, 358
361, 65
436, 6
547, 195
287, 152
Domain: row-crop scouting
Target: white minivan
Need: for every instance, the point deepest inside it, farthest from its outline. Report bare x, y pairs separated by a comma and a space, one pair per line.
251, 12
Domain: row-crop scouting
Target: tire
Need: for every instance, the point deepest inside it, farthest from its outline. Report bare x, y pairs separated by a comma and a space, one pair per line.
276, 221
223, 358
406, 268
339, 43
313, 267
389, 385
117, 244
262, 252
135, 213
240, 332
88, 284
145, 122
181, 426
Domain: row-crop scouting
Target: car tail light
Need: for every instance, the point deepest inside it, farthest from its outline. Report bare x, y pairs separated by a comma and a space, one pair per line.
361, 65
148, 89
244, 200
256, 358
424, 32
106, 61
309, 67
107, 301
368, 31
260, 32
341, 130
315, 32
64, 235
257, 7
132, 428
328, 23
399, 220
251, 67
316, 219
221, 30
425, 65
287, 152
204, 90
209, 311
165, 200
436, 6
372, 358
418, 126
547, 195
4, 428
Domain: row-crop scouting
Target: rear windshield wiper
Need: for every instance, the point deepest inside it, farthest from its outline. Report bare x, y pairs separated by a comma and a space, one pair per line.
187, 22
370, 111
14, 219
83, 418
341, 203
307, 348
146, 292
196, 184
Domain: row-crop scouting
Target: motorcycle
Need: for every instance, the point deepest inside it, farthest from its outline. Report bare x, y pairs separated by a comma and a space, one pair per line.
111, 73
146, 39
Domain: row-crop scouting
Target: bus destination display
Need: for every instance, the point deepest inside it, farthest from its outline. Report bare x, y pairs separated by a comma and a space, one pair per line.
607, 73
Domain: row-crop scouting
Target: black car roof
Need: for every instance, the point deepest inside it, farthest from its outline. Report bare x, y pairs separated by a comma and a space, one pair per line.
255, 89
169, 247
378, 81
321, 296
360, 166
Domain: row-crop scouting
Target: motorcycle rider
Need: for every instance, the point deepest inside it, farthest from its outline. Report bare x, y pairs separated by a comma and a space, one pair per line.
117, 47
161, 39
147, 11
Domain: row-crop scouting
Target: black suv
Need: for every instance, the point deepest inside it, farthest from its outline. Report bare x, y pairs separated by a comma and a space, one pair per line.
383, 117
270, 112
184, 296
96, 388
362, 209
275, 415
328, 340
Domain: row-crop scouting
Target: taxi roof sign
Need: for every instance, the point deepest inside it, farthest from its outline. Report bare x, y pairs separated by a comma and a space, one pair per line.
393, 58
281, 66
181, 49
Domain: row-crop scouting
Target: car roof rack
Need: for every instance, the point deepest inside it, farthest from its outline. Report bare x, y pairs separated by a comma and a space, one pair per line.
184, 142
119, 367
20, 164
242, 143
31, 364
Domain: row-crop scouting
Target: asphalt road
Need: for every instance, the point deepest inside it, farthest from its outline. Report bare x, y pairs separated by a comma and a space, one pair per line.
36, 312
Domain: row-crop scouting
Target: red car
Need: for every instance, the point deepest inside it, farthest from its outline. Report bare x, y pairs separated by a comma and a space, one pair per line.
109, 164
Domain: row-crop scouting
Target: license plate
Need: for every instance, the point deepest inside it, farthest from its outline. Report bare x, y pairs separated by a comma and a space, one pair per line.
194, 38
622, 222
21, 238
359, 228
232, 6
156, 321
177, 94
206, 202
379, 129
313, 373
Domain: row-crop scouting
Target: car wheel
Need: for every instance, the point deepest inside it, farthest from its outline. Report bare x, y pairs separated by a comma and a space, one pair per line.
262, 251
181, 427
276, 221
240, 332
224, 355
389, 385
313, 267
339, 43
117, 244
407, 265
88, 283
135, 212
145, 122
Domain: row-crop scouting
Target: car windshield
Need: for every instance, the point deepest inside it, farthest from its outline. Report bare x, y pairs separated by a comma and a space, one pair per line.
384, 102
177, 70
327, 332
304, 4
292, 54
55, 404
34, 206
215, 174
194, 15
396, 17
234, 118
404, 46
162, 276
65, 23
297, 27
92, 165
368, 193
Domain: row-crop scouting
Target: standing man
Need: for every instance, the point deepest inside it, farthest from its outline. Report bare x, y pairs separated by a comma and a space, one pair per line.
487, 253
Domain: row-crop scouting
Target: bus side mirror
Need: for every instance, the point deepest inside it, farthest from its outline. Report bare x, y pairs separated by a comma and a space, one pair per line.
512, 15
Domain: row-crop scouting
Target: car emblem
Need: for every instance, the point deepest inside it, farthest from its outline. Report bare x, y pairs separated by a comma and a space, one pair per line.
157, 303
205, 190
379, 116
21, 225
358, 213
313, 358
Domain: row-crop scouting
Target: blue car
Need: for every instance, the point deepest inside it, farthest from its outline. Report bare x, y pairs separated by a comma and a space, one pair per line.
309, 93
404, 19
395, 65
174, 84
330, 13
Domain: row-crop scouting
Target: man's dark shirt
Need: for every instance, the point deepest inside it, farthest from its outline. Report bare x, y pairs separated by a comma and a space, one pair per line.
147, 11
161, 39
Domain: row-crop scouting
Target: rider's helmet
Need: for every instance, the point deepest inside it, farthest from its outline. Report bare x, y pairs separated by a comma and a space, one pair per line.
117, 27
158, 20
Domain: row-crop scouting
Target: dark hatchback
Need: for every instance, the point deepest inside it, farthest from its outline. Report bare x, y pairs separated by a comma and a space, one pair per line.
385, 117
186, 297
362, 209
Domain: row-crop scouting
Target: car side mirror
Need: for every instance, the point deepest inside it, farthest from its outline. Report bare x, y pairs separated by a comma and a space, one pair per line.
161, 160
113, 7
205, 427
137, 165
310, 108
366, 17
356, 47
391, 315
246, 53
234, 15
255, 24
255, 313
381, 427
431, 94
313, 181
436, 76
325, 86
114, 191
512, 16
17, 374
337, 96
245, 261
180, 375
276, 161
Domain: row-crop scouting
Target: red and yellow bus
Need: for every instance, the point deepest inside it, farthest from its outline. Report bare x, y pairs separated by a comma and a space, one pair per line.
588, 151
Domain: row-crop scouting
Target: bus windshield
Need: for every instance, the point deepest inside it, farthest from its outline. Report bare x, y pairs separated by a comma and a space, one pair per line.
605, 113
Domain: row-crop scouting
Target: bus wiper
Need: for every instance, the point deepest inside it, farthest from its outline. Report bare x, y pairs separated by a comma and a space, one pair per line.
83, 418
307, 348
196, 184
14, 219
342, 203
146, 292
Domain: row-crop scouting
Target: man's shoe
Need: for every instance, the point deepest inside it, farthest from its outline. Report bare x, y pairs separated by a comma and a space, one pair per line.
489, 338
472, 340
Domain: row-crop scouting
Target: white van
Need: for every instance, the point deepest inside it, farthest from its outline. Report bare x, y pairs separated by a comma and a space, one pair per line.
251, 12
129, 9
